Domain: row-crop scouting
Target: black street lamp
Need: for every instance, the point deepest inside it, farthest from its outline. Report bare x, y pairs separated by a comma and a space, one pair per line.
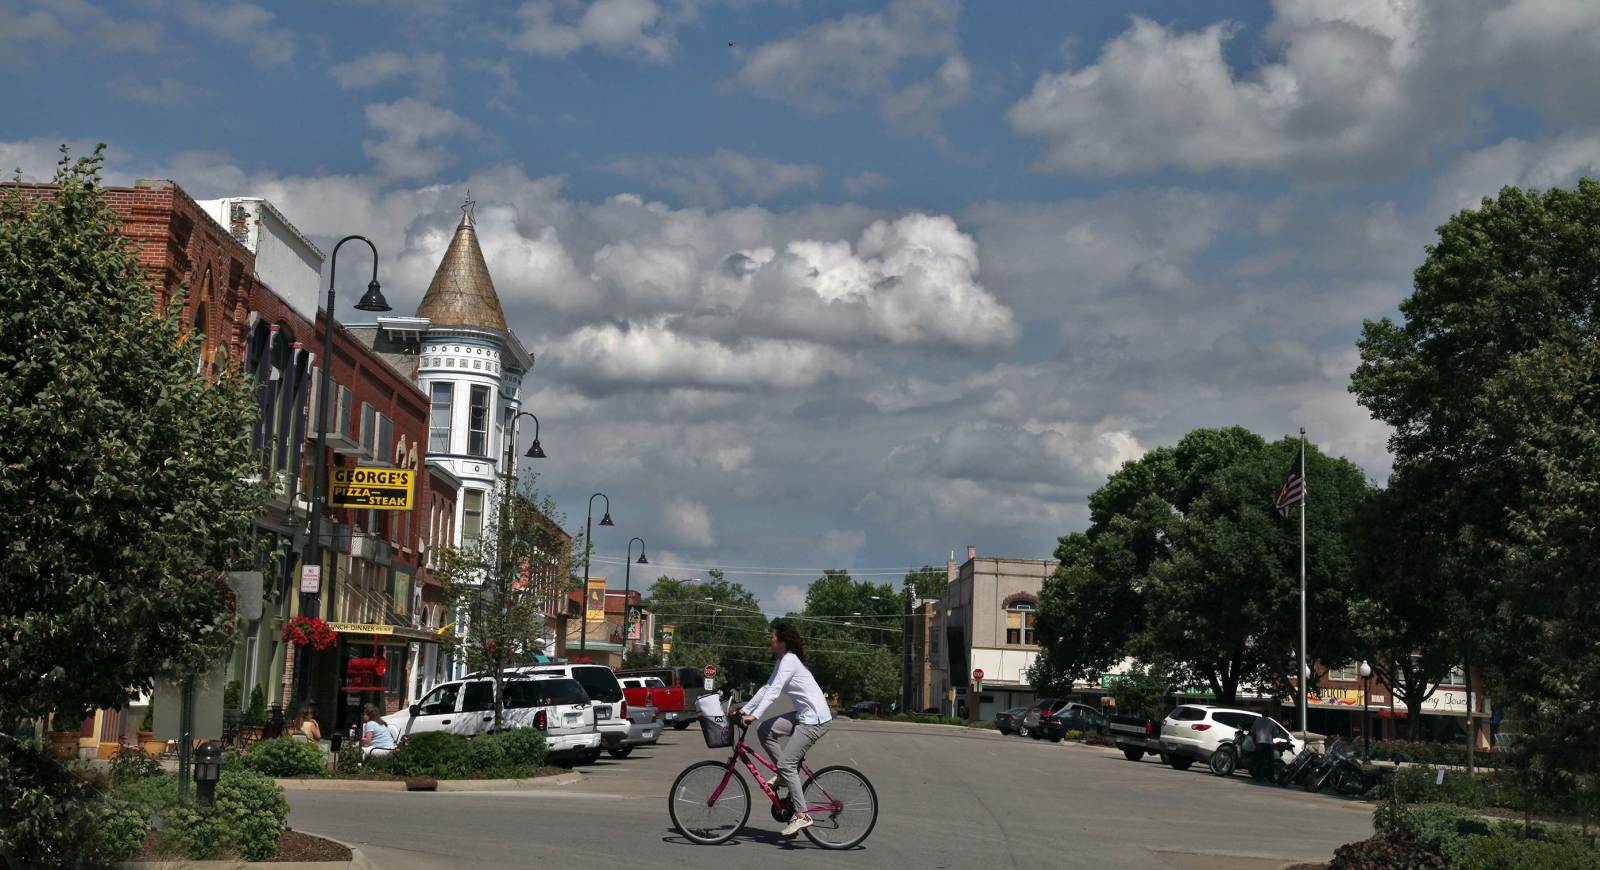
627, 587
509, 469
372, 301
588, 548
208, 761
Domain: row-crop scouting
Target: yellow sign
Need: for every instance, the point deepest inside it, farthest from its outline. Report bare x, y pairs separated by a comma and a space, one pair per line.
666, 647
360, 628
383, 489
594, 605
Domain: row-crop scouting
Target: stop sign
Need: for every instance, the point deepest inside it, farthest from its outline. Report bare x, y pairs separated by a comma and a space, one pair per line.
977, 673
711, 672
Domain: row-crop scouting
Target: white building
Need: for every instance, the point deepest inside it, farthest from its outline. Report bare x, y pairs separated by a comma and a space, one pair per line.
471, 366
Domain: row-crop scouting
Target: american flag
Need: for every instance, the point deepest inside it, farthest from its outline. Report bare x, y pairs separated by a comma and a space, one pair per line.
1293, 490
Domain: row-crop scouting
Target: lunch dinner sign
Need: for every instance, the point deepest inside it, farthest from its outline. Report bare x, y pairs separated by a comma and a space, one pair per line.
383, 489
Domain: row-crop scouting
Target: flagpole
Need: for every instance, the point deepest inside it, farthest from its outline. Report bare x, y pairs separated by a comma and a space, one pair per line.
1303, 656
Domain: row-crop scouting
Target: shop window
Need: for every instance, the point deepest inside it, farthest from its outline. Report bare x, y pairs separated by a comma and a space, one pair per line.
478, 422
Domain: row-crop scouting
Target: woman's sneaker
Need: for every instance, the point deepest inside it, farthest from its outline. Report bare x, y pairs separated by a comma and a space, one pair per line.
796, 825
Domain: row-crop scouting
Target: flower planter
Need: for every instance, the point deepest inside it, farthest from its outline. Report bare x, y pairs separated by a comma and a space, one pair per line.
64, 744
153, 748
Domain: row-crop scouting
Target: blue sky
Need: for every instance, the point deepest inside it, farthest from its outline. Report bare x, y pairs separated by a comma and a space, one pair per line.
880, 280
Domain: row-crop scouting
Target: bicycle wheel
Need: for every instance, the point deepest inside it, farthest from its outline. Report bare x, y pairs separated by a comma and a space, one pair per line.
843, 807
695, 816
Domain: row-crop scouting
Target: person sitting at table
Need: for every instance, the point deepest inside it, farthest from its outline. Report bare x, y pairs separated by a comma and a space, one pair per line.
309, 729
376, 736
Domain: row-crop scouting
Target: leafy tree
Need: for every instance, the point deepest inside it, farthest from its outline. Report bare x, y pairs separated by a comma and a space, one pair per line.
126, 487
1186, 561
502, 583
853, 633
716, 622
1483, 384
927, 582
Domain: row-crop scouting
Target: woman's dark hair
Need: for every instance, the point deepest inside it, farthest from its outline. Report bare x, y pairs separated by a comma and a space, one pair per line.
790, 636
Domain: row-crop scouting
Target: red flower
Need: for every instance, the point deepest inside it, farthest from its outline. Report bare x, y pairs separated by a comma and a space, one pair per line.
303, 630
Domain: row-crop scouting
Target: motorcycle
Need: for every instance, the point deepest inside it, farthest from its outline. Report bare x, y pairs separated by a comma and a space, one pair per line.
1304, 761
1225, 760
1340, 771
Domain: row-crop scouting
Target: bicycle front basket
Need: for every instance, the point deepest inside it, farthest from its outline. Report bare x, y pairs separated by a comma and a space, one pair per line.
717, 730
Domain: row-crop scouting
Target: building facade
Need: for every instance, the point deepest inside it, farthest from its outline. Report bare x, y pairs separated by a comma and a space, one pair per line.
985, 621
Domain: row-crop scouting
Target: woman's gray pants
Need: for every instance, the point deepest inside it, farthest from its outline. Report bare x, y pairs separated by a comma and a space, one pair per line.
786, 742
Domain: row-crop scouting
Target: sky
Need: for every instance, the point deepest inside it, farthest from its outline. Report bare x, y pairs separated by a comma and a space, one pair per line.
852, 284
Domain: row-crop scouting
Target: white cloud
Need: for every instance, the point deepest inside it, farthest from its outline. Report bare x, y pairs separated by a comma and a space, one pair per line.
638, 29
158, 92
242, 24
31, 28
723, 175
688, 522
1550, 163
652, 355
906, 60
408, 126
376, 68
865, 182
789, 598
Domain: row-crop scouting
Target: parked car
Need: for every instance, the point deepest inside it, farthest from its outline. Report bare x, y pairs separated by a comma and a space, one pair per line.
1042, 707
643, 728
1071, 717
1136, 736
682, 685
605, 694
1192, 732
1006, 721
557, 705
863, 709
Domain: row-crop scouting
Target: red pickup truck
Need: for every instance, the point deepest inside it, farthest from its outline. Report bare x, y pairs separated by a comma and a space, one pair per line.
670, 690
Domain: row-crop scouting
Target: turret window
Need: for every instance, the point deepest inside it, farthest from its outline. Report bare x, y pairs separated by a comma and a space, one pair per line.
439, 418
478, 422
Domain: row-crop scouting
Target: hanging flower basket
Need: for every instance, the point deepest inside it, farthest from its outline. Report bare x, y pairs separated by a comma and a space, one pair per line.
303, 630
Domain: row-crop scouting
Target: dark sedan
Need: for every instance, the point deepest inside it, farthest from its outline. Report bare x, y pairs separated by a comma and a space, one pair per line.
1072, 717
1006, 721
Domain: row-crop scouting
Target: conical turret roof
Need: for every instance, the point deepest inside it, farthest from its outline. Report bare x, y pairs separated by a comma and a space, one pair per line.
462, 293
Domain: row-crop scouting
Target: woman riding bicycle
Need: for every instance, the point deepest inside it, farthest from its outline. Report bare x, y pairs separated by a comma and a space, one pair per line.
787, 738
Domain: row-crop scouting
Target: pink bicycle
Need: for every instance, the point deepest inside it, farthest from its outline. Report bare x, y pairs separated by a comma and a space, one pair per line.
710, 802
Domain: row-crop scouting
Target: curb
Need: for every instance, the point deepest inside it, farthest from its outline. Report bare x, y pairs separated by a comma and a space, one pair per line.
538, 782
358, 861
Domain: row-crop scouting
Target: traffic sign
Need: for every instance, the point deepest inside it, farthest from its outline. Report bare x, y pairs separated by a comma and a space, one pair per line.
711, 672
977, 673
310, 579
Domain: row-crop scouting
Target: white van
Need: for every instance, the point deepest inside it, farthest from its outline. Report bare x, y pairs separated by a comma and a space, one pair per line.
466, 707
605, 696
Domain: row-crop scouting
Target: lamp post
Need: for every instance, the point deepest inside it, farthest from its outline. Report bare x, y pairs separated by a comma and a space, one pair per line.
372, 301
509, 469
627, 588
207, 770
588, 548
1366, 726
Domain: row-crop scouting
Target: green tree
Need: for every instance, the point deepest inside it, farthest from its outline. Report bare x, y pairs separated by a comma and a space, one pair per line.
125, 475
927, 582
853, 634
716, 622
1482, 383
502, 582
1186, 561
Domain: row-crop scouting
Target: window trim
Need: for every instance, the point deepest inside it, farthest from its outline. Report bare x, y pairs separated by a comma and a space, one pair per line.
439, 438
478, 438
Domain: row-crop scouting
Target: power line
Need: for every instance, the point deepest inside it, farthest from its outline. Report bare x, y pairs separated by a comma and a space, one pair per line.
767, 570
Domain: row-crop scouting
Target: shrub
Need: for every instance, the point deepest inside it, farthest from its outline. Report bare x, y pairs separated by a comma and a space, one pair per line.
196, 834
1440, 828
257, 713
233, 696
122, 830
49, 814
148, 723
434, 753
149, 796
520, 752
1510, 851
285, 757
1392, 851
132, 764
1498, 789
349, 760
253, 809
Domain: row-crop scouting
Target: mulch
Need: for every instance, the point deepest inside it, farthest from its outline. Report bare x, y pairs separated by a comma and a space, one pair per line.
292, 846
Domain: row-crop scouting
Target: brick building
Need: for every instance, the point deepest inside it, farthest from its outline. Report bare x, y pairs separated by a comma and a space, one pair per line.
203, 257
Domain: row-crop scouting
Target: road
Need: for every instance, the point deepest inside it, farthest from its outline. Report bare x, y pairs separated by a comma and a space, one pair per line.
948, 797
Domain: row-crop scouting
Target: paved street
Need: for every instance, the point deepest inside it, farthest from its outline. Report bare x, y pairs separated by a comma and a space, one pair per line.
949, 798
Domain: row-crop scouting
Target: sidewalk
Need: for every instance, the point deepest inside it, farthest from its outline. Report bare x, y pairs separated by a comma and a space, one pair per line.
534, 783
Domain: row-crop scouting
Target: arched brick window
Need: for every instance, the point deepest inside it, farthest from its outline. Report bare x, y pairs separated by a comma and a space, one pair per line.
1020, 618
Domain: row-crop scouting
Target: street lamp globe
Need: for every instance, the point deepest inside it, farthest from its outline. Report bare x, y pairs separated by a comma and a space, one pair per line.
1365, 670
